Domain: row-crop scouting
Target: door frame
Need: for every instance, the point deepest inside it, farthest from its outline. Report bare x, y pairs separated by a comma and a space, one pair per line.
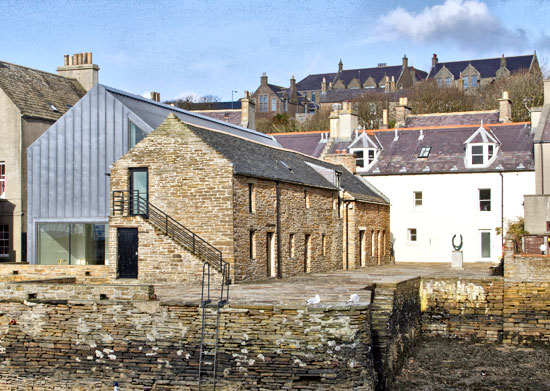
480, 236
118, 259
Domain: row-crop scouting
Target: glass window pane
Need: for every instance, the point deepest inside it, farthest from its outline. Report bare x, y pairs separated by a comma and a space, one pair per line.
136, 134
53, 244
485, 244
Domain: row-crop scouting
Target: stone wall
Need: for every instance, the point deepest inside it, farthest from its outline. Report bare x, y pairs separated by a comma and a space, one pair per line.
88, 274
462, 308
295, 219
527, 267
146, 345
395, 326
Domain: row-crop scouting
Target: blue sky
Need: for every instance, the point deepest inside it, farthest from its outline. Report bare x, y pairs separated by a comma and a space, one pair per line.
213, 47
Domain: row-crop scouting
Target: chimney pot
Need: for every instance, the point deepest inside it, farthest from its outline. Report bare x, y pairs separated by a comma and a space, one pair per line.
434, 60
66, 59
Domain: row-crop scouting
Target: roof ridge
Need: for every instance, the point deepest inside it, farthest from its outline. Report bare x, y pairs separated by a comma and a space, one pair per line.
38, 70
456, 113
483, 59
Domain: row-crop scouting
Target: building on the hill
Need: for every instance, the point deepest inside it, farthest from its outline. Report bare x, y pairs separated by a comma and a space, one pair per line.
383, 78
30, 102
474, 73
446, 174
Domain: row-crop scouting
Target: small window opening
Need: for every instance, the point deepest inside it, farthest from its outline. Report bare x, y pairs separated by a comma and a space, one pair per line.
417, 198
412, 235
251, 198
485, 200
424, 152
252, 244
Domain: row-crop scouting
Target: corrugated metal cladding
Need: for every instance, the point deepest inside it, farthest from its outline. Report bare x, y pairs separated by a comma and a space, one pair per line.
69, 163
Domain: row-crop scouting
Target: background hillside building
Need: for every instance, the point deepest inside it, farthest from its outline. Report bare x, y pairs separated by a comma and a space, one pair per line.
475, 73
30, 102
240, 112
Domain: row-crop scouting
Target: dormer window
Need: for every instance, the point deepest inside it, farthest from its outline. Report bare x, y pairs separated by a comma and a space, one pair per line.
481, 148
366, 150
364, 157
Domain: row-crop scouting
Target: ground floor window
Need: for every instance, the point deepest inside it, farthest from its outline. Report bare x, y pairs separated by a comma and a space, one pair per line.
4, 241
72, 243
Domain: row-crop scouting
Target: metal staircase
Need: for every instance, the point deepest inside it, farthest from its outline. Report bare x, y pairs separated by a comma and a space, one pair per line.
130, 203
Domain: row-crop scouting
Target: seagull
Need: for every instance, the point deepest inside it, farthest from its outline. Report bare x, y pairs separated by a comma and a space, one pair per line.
314, 300
28, 303
354, 298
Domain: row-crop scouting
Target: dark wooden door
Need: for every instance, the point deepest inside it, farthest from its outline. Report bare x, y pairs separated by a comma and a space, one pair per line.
127, 262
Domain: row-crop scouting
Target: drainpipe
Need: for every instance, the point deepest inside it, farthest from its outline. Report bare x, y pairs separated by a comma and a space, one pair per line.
542, 168
346, 203
501, 210
278, 212
20, 187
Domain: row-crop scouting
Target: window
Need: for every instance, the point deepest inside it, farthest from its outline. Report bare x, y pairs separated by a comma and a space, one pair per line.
474, 81
547, 226
364, 157
252, 244
412, 235
490, 151
286, 106
307, 254
485, 200
263, 103
4, 241
323, 244
465, 80
307, 199
273, 104
2, 180
477, 154
424, 152
251, 198
313, 96
292, 245
139, 191
448, 81
72, 243
135, 134
417, 198
439, 82
372, 244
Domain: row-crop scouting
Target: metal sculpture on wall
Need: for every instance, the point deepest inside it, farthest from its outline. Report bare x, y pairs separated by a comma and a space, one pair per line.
459, 247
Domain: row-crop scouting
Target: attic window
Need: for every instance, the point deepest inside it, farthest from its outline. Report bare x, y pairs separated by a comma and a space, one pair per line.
364, 157
481, 154
135, 134
424, 152
54, 109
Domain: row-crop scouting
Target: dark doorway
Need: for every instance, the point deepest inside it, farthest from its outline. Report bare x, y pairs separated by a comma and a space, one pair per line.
127, 260
139, 184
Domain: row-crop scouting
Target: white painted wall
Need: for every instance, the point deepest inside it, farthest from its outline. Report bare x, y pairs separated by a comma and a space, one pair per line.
450, 206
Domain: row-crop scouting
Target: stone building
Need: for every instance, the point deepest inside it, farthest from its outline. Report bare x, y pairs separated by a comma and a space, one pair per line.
271, 212
30, 102
446, 174
69, 165
326, 87
474, 73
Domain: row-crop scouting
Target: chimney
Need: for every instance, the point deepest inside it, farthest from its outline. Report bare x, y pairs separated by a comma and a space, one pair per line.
334, 119
293, 93
79, 66
324, 86
547, 91
405, 62
347, 122
155, 96
340, 66
505, 108
247, 112
402, 111
503, 61
263, 79
435, 60
385, 119
343, 158
392, 84
386, 84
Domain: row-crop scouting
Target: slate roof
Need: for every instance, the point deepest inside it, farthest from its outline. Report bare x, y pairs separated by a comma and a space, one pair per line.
447, 150
231, 116
313, 82
34, 91
262, 161
459, 118
486, 67
154, 113
305, 142
341, 95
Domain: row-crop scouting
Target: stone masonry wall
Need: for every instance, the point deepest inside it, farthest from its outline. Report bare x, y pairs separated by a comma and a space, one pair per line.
370, 218
317, 220
89, 274
395, 326
148, 345
160, 259
527, 267
188, 180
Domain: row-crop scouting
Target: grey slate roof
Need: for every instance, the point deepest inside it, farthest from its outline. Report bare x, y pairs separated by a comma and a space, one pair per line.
486, 67
307, 142
460, 118
34, 91
154, 113
231, 116
340, 95
262, 161
447, 150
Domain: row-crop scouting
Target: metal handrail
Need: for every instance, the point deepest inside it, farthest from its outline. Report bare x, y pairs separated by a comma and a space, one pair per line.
132, 203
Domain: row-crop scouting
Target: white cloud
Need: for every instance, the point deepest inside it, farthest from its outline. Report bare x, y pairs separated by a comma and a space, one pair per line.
469, 23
